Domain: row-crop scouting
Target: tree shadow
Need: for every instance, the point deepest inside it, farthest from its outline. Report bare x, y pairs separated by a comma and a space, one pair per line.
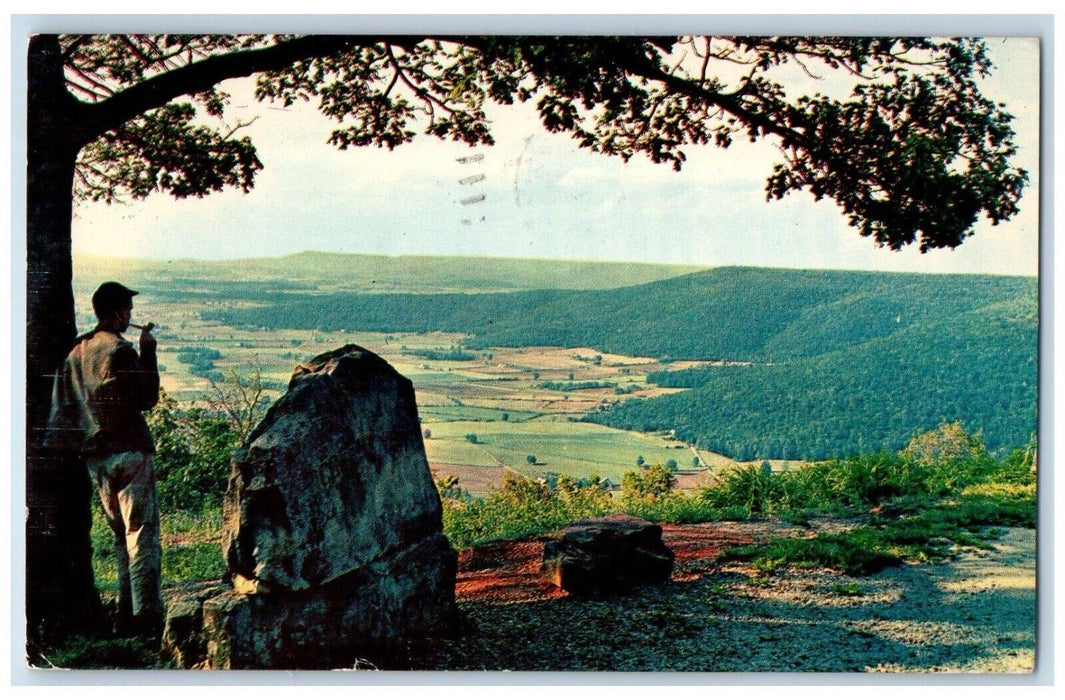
912, 618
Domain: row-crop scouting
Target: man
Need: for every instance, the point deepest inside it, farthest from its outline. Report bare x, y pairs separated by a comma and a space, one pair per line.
97, 401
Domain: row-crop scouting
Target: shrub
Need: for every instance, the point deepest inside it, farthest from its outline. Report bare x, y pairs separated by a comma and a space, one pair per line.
585, 497
240, 398
1019, 467
655, 482
448, 488
947, 443
863, 482
751, 490
675, 508
201, 479
522, 507
192, 456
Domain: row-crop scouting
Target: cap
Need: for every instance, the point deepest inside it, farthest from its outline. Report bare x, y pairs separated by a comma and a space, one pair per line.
110, 296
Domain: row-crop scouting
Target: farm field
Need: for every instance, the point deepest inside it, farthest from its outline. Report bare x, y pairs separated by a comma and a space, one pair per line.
518, 402
567, 448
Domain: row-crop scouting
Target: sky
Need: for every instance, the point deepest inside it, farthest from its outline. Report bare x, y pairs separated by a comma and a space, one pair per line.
543, 197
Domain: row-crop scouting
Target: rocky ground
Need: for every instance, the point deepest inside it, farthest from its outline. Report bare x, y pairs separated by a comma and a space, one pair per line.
976, 613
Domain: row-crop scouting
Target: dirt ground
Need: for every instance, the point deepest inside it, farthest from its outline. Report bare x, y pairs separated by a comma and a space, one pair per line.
976, 613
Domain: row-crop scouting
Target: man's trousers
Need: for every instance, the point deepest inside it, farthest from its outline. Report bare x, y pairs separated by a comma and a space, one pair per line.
126, 483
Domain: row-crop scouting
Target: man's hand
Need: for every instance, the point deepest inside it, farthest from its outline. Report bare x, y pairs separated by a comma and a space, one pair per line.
148, 342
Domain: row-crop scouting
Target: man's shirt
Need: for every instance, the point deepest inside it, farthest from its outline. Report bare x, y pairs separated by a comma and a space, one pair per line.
99, 394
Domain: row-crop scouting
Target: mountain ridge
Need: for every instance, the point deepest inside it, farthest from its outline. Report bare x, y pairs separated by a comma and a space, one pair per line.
852, 360
370, 272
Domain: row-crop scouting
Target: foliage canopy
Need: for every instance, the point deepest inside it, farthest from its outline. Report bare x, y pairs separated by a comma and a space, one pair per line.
911, 151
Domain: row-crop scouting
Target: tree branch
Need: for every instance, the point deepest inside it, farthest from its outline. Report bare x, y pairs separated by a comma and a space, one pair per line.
706, 62
201, 76
424, 95
97, 89
637, 64
239, 125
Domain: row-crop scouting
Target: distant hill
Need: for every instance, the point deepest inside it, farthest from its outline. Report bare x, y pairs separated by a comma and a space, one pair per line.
842, 360
332, 272
726, 313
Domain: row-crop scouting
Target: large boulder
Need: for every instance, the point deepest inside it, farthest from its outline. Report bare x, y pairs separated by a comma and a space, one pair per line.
607, 555
332, 526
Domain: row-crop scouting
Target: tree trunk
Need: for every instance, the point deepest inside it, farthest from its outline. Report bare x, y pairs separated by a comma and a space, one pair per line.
60, 592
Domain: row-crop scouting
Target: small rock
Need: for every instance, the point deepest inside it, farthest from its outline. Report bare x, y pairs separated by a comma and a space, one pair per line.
601, 556
183, 640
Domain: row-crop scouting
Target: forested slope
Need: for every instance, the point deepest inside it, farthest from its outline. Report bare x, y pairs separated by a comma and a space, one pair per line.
979, 368
726, 313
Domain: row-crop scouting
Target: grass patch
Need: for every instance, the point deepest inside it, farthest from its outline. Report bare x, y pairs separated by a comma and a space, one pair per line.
102, 654
184, 524
574, 449
191, 548
192, 562
676, 508
856, 553
933, 534
850, 590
